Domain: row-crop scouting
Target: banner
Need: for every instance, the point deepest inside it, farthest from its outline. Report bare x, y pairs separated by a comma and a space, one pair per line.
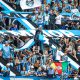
41, 38
64, 66
31, 78
28, 4
60, 67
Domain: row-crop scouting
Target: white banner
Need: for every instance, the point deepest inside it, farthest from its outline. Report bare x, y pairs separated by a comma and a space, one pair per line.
28, 4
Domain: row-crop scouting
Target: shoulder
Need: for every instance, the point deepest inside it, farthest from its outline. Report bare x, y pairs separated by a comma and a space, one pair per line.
3, 46
4, 67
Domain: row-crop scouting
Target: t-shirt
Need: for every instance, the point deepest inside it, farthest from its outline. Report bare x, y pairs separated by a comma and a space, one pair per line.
6, 51
50, 71
46, 17
52, 18
58, 55
5, 68
13, 28
27, 66
58, 19
48, 1
69, 7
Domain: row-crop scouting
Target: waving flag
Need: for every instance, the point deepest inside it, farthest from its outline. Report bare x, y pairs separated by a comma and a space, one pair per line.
59, 67
64, 66
28, 4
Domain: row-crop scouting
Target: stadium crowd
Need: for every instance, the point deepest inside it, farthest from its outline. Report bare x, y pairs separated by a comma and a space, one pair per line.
49, 15
37, 59
32, 62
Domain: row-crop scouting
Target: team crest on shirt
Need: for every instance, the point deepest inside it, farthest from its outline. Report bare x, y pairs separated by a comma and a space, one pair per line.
29, 2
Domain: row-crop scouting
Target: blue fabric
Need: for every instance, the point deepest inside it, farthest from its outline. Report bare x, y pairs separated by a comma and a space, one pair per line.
6, 8
27, 66
13, 28
57, 1
77, 14
23, 23
69, 7
41, 37
6, 51
63, 27
48, 1
5, 68
66, 14
50, 71
1, 45
39, 72
19, 68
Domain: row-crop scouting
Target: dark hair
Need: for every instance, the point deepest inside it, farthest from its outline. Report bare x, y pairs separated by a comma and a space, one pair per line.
79, 69
0, 69
46, 12
69, 1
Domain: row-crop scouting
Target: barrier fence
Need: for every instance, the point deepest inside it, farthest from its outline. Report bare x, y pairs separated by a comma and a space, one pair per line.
34, 78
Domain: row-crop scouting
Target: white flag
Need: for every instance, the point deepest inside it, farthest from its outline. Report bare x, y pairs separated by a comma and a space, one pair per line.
28, 4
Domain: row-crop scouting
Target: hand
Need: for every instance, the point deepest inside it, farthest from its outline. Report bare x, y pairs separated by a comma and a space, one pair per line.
7, 71
76, 59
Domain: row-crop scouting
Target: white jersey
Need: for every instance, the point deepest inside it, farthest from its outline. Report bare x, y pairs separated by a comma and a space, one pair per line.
58, 55
58, 19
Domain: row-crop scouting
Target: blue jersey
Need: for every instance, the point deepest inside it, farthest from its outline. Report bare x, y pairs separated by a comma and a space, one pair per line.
6, 51
13, 28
